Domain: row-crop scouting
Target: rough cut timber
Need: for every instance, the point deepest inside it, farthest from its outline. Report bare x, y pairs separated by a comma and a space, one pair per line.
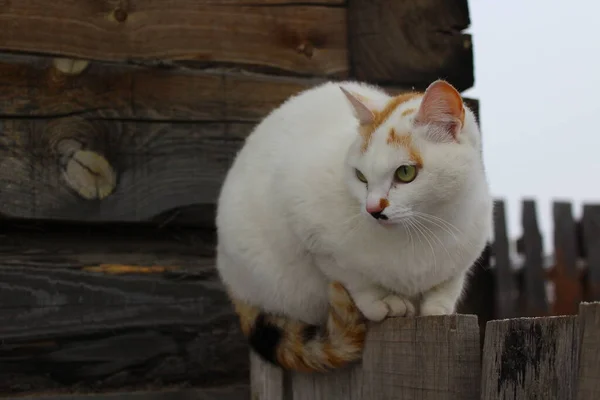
298, 38
113, 308
125, 143
410, 43
530, 358
428, 358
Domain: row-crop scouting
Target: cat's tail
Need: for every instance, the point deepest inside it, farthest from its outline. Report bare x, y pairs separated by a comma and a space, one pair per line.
294, 345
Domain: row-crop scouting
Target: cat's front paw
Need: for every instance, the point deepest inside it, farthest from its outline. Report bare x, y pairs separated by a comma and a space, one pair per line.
375, 309
436, 308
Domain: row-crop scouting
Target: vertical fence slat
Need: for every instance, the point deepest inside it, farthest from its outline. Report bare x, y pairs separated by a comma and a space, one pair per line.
591, 236
505, 281
567, 285
530, 358
589, 352
266, 381
427, 358
534, 292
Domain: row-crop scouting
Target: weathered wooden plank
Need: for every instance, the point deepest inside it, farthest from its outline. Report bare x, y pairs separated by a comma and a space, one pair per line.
404, 358
530, 358
230, 392
589, 352
410, 42
534, 289
33, 87
300, 38
591, 236
565, 276
110, 170
108, 308
267, 382
506, 291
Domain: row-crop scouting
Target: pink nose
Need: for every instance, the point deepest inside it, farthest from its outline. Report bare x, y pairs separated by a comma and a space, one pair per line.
377, 206
374, 208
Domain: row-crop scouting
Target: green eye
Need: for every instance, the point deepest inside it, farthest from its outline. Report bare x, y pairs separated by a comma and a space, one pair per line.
406, 173
360, 176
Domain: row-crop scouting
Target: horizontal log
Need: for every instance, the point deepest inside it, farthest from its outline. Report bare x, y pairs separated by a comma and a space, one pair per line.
34, 87
306, 38
230, 392
111, 308
410, 43
110, 170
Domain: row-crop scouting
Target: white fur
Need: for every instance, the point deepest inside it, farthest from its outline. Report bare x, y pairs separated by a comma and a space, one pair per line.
291, 214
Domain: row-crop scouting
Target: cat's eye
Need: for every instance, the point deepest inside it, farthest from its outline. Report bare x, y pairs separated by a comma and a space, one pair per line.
360, 176
406, 173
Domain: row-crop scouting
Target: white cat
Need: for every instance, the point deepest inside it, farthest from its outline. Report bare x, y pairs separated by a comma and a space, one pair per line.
346, 186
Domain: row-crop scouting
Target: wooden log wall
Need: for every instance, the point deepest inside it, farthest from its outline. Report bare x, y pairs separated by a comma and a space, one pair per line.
118, 121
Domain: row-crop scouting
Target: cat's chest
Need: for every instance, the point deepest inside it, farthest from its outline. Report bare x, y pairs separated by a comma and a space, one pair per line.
408, 265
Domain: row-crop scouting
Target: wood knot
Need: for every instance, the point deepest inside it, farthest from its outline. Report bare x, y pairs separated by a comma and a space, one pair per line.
88, 172
305, 48
120, 15
69, 66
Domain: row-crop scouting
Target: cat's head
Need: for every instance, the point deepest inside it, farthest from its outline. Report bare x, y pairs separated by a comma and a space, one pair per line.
414, 154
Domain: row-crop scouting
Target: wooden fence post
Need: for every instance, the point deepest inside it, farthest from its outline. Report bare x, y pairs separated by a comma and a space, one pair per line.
534, 291
424, 358
589, 352
591, 236
530, 358
566, 277
506, 290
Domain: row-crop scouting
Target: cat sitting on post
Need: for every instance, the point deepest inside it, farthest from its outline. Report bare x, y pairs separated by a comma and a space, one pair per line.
347, 203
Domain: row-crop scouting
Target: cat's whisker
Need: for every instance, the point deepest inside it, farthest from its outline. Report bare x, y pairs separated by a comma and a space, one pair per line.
434, 236
417, 226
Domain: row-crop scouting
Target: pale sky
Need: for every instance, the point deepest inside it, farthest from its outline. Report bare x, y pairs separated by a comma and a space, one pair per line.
537, 76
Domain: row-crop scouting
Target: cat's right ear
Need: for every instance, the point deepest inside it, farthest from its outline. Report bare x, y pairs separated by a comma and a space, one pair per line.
361, 111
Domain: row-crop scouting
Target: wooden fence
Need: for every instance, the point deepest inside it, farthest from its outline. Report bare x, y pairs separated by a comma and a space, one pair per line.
517, 277
439, 358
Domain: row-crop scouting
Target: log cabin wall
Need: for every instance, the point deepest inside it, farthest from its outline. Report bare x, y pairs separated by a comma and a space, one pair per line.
118, 121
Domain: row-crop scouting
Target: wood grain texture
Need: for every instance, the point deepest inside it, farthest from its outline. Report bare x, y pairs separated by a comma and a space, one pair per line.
410, 42
110, 308
159, 167
298, 38
530, 358
267, 382
591, 237
589, 351
534, 288
404, 358
565, 275
32, 87
506, 290
229, 392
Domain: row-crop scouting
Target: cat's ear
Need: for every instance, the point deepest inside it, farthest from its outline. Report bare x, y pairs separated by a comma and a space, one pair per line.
361, 110
442, 107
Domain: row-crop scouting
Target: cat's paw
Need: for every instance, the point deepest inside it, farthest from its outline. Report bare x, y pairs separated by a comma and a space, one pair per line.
375, 309
436, 308
399, 306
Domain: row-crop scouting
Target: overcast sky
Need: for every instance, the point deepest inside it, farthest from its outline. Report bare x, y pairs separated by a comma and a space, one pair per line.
537, 76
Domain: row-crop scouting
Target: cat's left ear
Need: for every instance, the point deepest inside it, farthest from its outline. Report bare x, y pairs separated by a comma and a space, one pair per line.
442, 107
361, 110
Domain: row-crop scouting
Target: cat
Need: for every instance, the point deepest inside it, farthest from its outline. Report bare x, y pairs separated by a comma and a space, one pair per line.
347, 205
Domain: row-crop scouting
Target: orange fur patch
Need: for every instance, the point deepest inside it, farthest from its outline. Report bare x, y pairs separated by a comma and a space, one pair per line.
405, 141
383, 203
381, 116
408, 111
